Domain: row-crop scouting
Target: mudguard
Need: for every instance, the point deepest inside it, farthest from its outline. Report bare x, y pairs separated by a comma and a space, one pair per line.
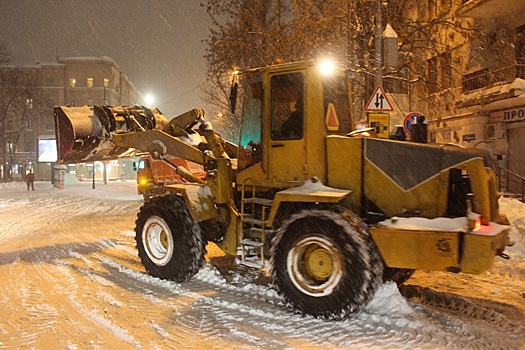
199, 199
312, 191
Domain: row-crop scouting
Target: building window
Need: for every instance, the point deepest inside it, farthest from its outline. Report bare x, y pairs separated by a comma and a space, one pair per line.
50, 103
72, 82
89, 82
29, 103
439, 73
50, 126
445, 69
432, 75
29, 125
29, 146
50, 81
71, 103
90, 102
106, 82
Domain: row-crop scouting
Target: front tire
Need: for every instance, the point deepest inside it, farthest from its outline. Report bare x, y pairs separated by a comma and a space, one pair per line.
169, 242
325, 264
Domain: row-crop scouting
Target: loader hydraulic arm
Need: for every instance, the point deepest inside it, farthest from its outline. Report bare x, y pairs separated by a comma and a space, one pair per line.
86, 134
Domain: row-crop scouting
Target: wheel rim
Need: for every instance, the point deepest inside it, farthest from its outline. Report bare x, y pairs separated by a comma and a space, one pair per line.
158, 241
315, 266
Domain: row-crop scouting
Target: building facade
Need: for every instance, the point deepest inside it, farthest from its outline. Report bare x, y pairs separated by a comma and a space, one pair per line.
477, 92
28, 127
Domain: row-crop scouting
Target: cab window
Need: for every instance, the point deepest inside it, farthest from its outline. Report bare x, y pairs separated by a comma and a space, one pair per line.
251, 116
335, 93
286, 106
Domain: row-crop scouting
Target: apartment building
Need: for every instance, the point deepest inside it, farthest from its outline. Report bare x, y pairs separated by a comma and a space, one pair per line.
28, 131
473, 87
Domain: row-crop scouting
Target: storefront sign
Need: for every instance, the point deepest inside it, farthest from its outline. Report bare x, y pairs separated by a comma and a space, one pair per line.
508, 115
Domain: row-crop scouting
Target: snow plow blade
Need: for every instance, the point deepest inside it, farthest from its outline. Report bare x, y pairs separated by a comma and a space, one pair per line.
84, 134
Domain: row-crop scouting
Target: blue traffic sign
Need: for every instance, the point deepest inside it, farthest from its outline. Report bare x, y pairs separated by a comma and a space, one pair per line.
412, 118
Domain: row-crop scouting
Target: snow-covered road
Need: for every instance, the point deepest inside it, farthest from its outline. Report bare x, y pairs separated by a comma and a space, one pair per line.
71, 279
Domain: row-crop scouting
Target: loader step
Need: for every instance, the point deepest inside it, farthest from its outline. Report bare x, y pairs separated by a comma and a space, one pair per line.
258, 232
261, 201
251, 243
252, 221
255, 263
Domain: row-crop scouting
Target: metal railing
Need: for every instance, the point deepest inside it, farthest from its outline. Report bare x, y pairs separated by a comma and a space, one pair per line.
485, 78
510, 183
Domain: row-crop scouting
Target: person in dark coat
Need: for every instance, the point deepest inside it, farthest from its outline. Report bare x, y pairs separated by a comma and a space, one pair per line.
293, 126
30, 179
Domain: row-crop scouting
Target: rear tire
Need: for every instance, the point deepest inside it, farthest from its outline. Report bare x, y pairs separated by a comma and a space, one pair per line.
169, 242
325, 264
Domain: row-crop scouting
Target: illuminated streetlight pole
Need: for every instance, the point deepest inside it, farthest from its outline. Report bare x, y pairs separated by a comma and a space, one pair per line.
10, 167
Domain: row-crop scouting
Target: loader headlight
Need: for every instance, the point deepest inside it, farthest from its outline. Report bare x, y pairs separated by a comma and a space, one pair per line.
143, 182
327, 67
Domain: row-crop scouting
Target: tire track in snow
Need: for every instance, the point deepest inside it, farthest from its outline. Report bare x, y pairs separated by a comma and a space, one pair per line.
30, 312
244, 314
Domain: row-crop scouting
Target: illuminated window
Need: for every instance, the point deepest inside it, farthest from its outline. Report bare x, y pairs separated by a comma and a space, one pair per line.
72, 82
106, 82
89, 82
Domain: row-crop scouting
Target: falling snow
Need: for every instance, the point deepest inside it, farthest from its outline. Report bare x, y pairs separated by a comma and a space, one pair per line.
71, 279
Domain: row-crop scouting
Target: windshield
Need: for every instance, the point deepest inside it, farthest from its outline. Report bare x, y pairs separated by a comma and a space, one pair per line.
251, 116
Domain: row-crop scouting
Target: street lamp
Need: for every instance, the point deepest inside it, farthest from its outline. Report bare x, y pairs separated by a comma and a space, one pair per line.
149, 99
10, 167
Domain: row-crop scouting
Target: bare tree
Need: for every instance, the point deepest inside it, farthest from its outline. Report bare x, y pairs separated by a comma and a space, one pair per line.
250, 33
18, 96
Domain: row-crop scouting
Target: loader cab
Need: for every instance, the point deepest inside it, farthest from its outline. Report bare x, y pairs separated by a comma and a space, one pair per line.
288, 110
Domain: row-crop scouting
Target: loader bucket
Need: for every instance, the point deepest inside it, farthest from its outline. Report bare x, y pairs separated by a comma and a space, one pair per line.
84, 134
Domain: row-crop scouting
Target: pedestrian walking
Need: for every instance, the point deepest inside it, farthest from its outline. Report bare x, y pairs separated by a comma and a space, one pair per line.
30, 179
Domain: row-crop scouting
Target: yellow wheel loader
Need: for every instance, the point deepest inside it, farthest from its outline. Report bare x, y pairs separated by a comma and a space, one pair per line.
333, 213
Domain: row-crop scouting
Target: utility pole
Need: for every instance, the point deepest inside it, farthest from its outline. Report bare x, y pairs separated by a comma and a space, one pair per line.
378, 41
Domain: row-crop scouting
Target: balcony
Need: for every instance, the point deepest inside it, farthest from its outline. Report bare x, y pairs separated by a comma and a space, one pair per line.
493, 86
485, 9
486, 78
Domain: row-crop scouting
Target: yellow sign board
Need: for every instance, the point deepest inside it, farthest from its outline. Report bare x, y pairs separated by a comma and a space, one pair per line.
381, 123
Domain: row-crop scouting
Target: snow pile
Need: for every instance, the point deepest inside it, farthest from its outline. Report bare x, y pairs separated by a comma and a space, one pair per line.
389, 301
424, 224
515, 212
70, 179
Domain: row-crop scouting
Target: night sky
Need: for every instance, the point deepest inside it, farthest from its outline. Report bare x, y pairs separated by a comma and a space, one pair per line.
158, 44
